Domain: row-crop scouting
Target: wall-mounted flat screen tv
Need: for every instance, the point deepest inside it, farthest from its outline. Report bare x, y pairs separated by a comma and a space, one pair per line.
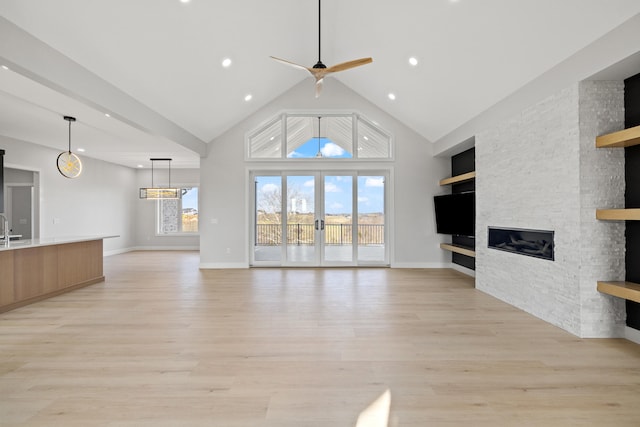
456, 213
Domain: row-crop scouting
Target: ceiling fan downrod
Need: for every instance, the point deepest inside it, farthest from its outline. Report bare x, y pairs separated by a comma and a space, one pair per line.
319, 64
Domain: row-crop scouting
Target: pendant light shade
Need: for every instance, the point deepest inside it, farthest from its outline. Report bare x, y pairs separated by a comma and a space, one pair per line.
160, 193
69, 164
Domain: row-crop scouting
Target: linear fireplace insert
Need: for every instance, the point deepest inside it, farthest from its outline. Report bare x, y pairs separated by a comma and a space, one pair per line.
534, 243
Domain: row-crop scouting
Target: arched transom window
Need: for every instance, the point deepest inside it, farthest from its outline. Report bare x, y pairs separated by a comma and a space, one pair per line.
319, 136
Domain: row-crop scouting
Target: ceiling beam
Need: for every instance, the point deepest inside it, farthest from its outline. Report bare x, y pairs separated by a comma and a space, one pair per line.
32, 58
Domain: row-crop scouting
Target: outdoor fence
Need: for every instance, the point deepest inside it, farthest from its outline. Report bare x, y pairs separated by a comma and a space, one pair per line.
304, 234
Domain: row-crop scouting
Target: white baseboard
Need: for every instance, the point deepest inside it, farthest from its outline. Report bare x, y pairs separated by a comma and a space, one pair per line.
117, 251
632, 334
463, 270
221, 265
150, 248
166, 248
420, 265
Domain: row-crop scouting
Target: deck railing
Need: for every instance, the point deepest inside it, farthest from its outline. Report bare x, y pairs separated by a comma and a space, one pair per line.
304, 234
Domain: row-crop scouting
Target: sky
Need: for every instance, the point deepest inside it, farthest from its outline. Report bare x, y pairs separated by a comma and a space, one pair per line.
328, 149
190, 199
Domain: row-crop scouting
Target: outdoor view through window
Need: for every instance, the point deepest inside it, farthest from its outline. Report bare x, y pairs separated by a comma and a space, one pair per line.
179, 215
338, 218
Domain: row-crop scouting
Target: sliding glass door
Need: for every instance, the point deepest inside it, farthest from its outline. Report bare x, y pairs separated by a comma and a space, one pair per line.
329, 219
302, 223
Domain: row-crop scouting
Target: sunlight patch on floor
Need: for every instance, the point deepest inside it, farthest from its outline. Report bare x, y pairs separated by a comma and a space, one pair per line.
376, 414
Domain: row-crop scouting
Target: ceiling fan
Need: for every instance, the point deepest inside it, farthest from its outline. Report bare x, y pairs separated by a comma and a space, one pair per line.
319, 70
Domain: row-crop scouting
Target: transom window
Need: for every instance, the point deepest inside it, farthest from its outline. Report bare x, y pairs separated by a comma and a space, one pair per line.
319, 136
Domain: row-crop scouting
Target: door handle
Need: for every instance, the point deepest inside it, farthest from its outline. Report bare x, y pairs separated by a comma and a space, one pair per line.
316, 224
322, 224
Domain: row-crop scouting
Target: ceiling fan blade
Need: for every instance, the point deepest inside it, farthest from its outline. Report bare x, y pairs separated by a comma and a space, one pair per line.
319, 84
292, 64
350, 64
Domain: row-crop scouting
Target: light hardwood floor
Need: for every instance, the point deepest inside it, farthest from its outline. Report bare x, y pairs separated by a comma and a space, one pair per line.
161, 343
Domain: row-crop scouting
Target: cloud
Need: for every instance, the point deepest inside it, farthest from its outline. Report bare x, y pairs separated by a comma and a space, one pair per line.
330, 187
363, 199
332, 150
270, 188
310, 183
374, 182
295, 154
336, 206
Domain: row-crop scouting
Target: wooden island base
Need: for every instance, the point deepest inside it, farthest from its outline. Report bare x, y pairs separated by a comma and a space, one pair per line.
32, 274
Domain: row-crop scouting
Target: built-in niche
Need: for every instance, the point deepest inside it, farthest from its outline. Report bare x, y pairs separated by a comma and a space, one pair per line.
464, 163
632, 195
534, 243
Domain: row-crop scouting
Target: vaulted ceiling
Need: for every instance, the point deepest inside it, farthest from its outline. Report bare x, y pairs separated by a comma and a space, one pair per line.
155, 66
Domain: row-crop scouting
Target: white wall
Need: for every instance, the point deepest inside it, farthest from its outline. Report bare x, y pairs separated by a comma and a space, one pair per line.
224, 182
145, 233
540, 170
102, 201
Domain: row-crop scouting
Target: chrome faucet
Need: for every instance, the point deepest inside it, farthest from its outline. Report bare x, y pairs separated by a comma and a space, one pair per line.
5, 228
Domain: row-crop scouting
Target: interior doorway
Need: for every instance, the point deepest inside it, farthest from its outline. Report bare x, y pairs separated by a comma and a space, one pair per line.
21, 202
20, 211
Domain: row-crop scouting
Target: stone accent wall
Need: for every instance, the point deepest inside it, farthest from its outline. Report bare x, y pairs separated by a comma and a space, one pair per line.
531, 173
602, 185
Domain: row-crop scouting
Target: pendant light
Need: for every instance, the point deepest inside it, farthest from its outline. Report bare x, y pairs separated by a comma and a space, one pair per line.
160, 193
319, 153
69, 165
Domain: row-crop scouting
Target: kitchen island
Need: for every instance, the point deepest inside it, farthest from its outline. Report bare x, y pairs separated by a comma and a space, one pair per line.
36, 269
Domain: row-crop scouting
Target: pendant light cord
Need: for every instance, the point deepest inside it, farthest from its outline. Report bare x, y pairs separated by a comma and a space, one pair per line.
69, 136
319, 153
153, 162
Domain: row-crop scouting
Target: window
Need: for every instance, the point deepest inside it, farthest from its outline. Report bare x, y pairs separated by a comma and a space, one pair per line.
178, 216
319, 137
294, 136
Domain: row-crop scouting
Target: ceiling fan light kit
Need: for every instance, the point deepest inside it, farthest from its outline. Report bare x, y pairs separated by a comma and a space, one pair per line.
69, 165
319, 70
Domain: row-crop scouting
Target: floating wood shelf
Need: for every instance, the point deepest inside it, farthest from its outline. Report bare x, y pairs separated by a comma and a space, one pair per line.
458, 249
458, 178
626, 290
623, 138
618, 214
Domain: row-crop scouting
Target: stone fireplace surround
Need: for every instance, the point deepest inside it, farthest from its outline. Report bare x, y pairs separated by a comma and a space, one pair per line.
540, 169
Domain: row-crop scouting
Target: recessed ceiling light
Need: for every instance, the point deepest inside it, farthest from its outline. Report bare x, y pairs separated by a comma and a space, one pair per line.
140, 166
248, 98
366, 138
272, 138
226, 62
107, 115
81, 150
4, 67
413, 61
185, 1
392, 96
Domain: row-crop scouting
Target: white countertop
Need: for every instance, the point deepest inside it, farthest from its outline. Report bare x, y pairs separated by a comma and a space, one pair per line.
49, 241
